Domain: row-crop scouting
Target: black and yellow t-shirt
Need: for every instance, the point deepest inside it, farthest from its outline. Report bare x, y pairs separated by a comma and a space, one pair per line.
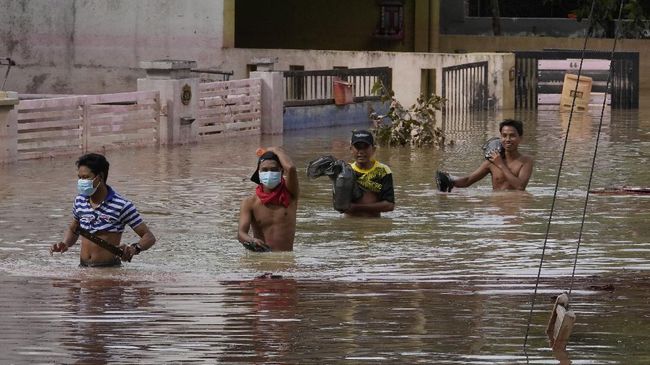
378, 179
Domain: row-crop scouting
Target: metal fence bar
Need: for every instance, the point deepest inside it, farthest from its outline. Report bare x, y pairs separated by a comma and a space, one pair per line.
317, 89
465, 87
624, 88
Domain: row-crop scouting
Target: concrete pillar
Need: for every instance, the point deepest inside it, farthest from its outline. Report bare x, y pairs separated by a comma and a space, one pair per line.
8, 127
272, 101
179, 95
509, 80
421, 31
502, 80
427, 26
434, 26
228, 24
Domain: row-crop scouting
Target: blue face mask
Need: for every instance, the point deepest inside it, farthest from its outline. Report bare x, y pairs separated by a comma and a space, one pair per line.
270, 179
85, 187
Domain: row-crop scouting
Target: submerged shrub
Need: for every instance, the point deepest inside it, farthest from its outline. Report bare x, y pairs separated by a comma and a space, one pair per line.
415, 126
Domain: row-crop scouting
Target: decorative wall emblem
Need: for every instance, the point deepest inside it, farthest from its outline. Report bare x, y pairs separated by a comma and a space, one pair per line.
186, 94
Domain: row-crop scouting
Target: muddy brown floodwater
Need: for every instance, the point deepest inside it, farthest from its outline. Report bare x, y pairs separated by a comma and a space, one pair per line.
444, 279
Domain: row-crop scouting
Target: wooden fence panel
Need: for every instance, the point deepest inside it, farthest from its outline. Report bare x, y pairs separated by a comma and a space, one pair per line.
124, 119
77, 124
50, 127
229, 108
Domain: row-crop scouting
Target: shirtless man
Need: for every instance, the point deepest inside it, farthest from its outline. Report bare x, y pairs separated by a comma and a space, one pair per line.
509, 173
103, 212
374, 178
271, 210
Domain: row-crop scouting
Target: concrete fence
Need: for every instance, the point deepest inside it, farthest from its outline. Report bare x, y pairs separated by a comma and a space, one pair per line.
79, 124
230, 107
170, 108
413, 73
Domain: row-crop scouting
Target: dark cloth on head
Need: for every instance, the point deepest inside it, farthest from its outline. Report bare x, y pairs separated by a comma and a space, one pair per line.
268, 155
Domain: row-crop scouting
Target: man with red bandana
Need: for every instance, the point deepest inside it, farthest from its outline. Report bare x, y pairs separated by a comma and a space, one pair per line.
271, 210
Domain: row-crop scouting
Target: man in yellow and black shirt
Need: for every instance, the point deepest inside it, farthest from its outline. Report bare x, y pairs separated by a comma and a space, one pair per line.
374, 178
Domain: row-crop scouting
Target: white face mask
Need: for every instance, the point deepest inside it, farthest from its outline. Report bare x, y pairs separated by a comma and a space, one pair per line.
86, 187
270, 179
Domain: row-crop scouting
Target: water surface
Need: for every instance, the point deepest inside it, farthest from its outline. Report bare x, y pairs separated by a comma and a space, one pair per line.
445, 278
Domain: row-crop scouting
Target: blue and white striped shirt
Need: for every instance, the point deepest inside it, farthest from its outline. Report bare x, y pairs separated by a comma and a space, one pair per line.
111, 216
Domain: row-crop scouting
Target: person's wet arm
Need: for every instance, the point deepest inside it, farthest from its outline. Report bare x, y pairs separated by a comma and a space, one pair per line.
378, 207
291, 173
478, 174
69, 238
245, 221
147, 239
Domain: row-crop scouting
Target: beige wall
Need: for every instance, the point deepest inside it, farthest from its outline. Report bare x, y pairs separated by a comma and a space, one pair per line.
450, 43
406, 67
95, 46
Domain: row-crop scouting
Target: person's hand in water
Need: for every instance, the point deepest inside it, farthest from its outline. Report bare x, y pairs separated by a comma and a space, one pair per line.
128, 251
58, 247
444, 181
256, 245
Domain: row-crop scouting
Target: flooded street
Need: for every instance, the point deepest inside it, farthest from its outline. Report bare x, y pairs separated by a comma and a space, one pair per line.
443, 279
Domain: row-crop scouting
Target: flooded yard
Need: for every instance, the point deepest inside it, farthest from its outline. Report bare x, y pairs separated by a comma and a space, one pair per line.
444, 279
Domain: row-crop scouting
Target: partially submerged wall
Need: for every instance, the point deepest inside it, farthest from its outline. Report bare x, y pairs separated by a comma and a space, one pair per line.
317, 116
407, 67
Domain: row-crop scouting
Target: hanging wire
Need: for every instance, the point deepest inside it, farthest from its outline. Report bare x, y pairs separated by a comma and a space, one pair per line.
9, 62
593, 159
559, 172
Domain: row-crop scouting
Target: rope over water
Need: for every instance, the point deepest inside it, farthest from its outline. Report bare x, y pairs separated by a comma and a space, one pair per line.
593, 161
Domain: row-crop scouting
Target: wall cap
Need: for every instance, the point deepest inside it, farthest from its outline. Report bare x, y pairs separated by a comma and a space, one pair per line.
8, 98
167, 64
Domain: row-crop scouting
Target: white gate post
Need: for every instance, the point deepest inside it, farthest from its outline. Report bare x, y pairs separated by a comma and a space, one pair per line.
178, 89
272, 101
8, 127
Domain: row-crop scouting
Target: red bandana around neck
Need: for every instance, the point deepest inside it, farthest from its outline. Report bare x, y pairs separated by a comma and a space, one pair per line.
278, 196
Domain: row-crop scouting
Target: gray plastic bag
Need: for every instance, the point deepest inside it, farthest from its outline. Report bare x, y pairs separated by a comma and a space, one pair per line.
345, 189
323, 165
493, 144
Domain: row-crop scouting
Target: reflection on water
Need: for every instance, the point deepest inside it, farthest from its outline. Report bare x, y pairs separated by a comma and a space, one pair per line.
445, 278
286, 320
